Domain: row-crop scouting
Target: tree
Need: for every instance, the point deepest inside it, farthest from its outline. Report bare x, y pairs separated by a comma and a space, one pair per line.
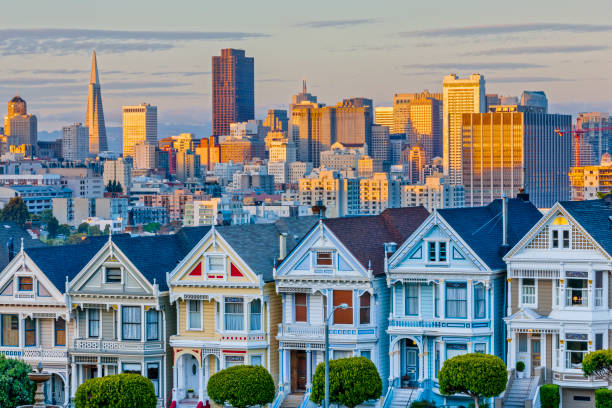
152, 227
52, 227
114, 186
106, 230
15, 386
16, 211
598, 363
116, 391
94, 231
46, 216
241, 386
352, 381
82, 228
64, 230
477, 375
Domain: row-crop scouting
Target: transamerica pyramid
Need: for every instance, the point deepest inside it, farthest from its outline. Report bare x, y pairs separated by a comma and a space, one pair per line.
95, 114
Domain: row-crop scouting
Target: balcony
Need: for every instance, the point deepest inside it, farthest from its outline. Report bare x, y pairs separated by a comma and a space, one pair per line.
36, 354
317, 332
116, 346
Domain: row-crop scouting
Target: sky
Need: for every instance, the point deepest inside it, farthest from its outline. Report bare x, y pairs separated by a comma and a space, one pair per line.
160, 52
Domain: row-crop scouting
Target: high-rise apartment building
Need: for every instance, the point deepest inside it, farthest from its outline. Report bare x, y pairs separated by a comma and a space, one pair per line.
233, 89
419, 117
377, 193
75, 142
596, 139
313, 130
94, 117
277, 120
20, 128
507, 150
339, 195
187, 165
354, 118
145, 156
139, 126
460, 95
379, 150
383, 116
119, 170
590, 181
435, 193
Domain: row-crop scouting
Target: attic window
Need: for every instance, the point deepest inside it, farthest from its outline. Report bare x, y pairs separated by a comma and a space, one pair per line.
113, 275
26, 284
324, 258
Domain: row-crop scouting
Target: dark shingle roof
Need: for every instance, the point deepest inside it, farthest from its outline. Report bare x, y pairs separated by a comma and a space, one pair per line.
8, 230
482, 227
365, 236
594, 217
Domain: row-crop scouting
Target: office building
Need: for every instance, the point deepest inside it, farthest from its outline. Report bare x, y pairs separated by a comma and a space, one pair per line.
47, 149
354, 118
377, 193
342, 158
595, 137
313, 130
402, 110
303, 96
187, 165
139, 126
298, 170
507, 150
534, 101
339, 195
233, 90
416, 161
281, 150
589, 182
425, 126
279, 170
20, 128
380, 149
434, 194
277, 120
75, 142
365, 166
459, 96
119, 170
145, 156
184, 141
94, 117
239, 150
383, 116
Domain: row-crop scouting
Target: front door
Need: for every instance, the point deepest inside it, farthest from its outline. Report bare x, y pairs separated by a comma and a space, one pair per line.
298, 371
412, 362
535, 355
57, 390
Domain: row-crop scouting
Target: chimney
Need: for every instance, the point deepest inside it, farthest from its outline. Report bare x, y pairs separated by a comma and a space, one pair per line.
523, 195
390, 248
282, 243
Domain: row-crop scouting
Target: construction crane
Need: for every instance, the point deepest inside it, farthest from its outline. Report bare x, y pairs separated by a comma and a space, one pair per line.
578, 139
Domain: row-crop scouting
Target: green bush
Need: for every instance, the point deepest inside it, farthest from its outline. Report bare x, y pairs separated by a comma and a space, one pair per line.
116, 391
598, 363
549, 396
423, 404
603, 398
477, 375
520, 366
352, 381
241, 386
15, 386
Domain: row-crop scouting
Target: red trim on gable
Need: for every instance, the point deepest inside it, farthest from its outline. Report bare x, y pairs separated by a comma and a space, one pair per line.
233, 351
197, 271
234, 271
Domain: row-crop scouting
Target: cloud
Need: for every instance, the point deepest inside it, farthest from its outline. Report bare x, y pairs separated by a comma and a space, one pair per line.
58, 41
474, 66
337, 23
180, 73
520, 79
507, 29
553, 49
33, 81
359, 48
274, 80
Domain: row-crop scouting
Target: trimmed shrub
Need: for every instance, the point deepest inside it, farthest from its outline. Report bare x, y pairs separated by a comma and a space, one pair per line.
352, 381
15, 386
116, 391
520, 366
423, 404
241, 386
603, 398
549, 396
598, 363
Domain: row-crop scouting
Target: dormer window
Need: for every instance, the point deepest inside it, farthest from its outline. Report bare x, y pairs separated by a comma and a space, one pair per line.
215, 266
113, 275
324, 259
26, 284
561, 237
437, 251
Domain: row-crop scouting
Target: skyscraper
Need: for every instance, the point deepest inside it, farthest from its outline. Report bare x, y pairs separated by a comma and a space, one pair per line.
459, 96
596, 139
354, 119
512, 148
303, 96
383, 115
139, 126
233, 89
19, 127
277, 120
419, 117
75, 142
94, 118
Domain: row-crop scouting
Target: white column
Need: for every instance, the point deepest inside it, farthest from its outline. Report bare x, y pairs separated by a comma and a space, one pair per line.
308, 369
287, 361
73, 379
509, 308
174, 380
245, 312
21, 331
99, 367
442, 299
470, 306
206, 374
512, 348
143, 324
67, 388
281, 371
200, 383
119, 329
391, 368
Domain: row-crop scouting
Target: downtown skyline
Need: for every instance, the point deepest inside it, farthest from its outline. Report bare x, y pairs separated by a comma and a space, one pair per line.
361, 51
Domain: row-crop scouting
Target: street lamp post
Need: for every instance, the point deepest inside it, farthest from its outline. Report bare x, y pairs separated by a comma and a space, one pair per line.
340, 306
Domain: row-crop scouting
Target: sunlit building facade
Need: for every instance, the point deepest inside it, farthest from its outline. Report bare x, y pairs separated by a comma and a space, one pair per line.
94, 118
139, 126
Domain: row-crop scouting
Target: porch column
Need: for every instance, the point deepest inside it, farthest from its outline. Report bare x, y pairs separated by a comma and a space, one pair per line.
470, 306
513, 345
206, 374
143, 325
67, 388
174, 380
425, 364
200, 382
442, 299
509, 308
21, 331
390, 368
442, 353
73, 379
308, 369
99, 367
287, 361
281, 371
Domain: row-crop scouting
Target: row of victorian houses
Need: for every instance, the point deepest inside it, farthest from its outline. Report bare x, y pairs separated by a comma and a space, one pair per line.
420, 288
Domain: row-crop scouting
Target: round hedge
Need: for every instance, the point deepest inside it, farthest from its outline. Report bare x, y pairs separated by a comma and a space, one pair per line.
15, 386
241, 386
549, 396
116, 391
603, 398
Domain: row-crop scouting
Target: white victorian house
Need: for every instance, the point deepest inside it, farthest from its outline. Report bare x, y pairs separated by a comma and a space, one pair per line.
559, 279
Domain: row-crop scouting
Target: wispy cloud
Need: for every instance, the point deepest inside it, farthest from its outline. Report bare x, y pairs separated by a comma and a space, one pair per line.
474, 66
180, 73
525, 79
508, 29
337, 23
554, 49
362, 48
63, 41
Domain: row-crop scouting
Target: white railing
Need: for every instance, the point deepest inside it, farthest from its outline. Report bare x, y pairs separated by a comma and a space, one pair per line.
301, 331
35, 353
535, 402
116, 345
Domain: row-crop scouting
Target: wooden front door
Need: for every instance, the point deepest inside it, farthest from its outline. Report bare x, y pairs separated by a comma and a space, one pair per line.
536, 359
298, 371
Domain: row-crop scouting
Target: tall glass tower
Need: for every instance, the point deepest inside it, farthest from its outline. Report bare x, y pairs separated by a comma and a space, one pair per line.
94, 118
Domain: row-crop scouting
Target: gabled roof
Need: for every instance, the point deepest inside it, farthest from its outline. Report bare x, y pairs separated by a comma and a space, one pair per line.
365, 236
482, 227
594, 217
258, 244
8, 230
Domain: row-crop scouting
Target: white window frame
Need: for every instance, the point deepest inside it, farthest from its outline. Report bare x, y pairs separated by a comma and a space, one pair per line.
418, 286
87, 323
18, 277
207, 269
316, 256
122, 273
560, 229
261, 315
521, 303
256, 355
437, 244
187, 307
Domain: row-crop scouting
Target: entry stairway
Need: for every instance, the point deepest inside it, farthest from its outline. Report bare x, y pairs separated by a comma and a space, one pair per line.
519, 392
403, 397
293, 400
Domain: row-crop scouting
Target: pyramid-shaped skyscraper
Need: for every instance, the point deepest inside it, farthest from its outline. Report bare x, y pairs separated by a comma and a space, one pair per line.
95, 114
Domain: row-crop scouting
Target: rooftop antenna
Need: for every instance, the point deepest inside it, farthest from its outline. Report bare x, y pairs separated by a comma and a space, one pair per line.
303, 86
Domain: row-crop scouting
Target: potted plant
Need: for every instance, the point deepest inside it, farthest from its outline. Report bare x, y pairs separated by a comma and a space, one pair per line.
190, 393
520, 368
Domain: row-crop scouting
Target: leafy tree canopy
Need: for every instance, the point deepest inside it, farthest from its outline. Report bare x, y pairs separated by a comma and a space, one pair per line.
82, 228
15, 386
52, 227
598, 363
16, 211
242, 386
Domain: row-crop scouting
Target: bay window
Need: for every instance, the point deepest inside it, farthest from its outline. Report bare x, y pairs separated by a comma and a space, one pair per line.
456, 300
479, 301
528, 292
60, 332
364, 308
576, 291
576, 346
412, 299
194, 314
301, 307
131, 322
255, 315
152, 325
10, 330
234, 313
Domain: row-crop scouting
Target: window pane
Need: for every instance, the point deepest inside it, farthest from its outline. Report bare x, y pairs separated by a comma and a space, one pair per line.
215, 263
113, 275
431, 251
301, 307
94, 322
26, 283
130, 322
528, 292
60, 332
30, 332
555, 239
256, 360
152, 325
195, 316
480, 348
479, 302
153, 375
522, 343
10, 330
343, 316
442, 252
566, 239
598, 341
256, 314
234, 313
324, 259
364, 308
367, 354
456, 300
412, 299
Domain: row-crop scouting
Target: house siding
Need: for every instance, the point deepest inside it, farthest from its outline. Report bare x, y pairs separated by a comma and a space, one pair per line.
545, 292
383, 306
275, 311
499, 310
514, 296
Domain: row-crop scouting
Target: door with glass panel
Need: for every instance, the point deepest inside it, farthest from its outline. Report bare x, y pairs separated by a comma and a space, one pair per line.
536, 359
411, 364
